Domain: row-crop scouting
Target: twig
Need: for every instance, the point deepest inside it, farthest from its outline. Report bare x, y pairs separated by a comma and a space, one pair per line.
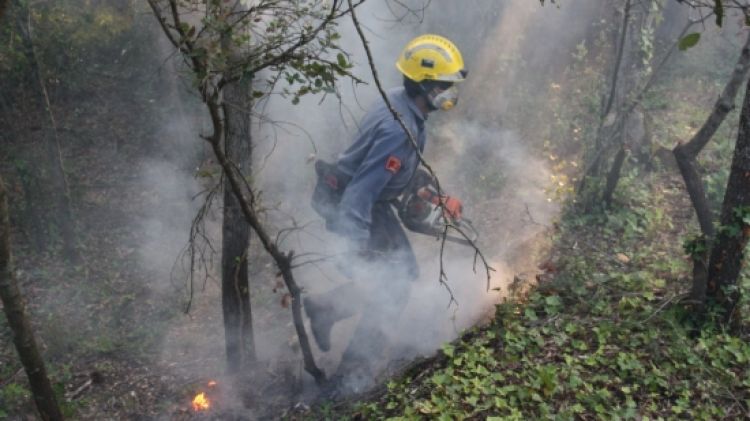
661, 307
78, 392
531, 218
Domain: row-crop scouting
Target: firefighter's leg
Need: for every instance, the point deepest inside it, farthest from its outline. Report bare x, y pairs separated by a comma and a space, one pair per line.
327, 308
386, 299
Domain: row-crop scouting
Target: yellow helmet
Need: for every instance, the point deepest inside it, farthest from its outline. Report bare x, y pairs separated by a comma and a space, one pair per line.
431, 57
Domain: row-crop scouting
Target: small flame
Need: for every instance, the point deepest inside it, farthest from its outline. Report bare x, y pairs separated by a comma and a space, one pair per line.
212, 383
201, 402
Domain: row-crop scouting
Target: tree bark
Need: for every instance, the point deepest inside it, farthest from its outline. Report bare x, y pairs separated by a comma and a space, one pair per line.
614, 176
606, 131
235, 289
694, 186
728, 250
23, 336
3, 7
685, 154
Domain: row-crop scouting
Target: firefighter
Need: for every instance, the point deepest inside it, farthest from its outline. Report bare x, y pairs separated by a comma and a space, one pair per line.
376, 169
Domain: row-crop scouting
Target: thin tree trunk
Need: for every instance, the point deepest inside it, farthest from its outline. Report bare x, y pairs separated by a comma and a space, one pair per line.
235, 289
685, 154
618, 62
3, 7
604, 132
66, 221
614, 175
212, 100
283, 260
697, 193
728, 250
599, 152
15, 312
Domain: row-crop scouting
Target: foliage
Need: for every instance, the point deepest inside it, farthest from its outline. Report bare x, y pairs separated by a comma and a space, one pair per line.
688, 41
296, 42
67, 39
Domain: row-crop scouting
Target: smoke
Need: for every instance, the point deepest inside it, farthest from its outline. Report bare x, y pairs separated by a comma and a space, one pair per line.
490, 166
480, 155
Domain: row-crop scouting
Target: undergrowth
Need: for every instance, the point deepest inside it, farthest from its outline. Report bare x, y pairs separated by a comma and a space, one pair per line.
609, 337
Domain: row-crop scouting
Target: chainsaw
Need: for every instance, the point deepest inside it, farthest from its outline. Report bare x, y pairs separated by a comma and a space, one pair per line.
424, 216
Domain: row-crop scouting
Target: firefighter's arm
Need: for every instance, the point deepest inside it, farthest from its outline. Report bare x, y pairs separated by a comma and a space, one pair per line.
382, 162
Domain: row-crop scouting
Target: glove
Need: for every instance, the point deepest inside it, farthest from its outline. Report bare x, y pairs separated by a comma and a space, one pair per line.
453, 208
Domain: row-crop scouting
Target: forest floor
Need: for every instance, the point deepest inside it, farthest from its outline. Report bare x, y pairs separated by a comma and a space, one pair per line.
112, 327
606, 334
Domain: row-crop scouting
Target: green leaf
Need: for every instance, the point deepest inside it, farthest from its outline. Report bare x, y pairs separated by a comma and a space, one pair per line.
448, 350
530, 314
341, 59
689, 40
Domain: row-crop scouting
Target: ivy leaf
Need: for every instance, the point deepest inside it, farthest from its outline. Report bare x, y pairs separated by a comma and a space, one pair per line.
689, 40
448, 350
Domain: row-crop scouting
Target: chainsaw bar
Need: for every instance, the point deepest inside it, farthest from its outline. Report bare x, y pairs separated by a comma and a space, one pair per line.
464, 225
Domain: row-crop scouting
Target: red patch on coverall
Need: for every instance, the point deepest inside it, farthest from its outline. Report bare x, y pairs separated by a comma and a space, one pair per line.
393, 164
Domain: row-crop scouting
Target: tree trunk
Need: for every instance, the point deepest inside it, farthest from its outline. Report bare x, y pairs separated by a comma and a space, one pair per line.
3, 6
58, 179
235, 289
614, 176
217, 109
15, 312
235, 292
611, 108
728, 249
686, 154
697, 193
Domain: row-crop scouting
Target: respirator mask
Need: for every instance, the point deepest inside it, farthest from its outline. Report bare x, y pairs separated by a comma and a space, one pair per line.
445, 100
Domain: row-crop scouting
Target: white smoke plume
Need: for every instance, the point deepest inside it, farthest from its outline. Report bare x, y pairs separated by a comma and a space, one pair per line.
511, 212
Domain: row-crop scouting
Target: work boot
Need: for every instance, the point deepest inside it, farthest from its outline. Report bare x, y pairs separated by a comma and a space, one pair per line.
321, 322
346, 384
